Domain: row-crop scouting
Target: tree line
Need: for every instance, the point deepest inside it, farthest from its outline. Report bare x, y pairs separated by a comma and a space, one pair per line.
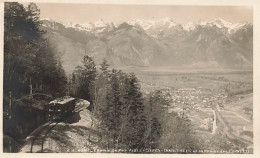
32, 66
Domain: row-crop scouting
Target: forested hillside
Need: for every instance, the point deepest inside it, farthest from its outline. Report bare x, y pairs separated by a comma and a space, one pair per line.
33, 73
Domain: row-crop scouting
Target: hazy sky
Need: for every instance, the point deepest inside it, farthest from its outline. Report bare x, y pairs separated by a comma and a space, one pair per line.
82, 13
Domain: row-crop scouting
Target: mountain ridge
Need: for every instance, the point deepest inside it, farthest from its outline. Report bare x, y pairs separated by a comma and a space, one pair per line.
210, 44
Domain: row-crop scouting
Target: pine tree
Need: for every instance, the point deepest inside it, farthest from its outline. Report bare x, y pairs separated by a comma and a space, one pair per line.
104, 77
115, 105
155, 114
135, 114
102, 87
104, 68
86, 76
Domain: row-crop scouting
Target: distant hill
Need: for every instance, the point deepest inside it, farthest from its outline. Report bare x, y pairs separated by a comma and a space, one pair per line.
154, 43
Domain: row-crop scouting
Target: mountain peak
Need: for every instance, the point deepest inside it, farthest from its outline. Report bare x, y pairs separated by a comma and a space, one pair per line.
100, 23
167, 19
189, 26
221, 23
221, 20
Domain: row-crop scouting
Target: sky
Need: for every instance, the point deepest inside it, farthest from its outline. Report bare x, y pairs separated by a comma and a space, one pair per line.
84, 13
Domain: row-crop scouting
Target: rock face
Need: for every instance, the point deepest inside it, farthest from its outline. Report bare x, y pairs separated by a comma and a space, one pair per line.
76, 134
151, 43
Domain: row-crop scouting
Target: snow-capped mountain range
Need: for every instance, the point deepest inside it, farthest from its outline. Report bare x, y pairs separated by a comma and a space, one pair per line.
147, 24
159, 24
152, 42
97, 27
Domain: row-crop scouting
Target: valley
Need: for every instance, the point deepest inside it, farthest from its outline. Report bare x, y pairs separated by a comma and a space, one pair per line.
218, 103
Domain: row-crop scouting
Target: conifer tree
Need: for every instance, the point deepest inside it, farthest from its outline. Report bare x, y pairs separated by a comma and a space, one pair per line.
104, 68
135, 114
102, 87
155, 114
86, 76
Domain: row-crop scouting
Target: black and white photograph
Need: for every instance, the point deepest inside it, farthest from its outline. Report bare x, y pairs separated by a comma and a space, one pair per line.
128, 78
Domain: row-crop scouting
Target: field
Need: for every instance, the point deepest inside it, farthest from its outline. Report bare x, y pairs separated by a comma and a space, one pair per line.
243, 106
240, 125
178, 78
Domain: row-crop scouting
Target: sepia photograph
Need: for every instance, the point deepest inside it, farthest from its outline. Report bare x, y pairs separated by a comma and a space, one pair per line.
127, 78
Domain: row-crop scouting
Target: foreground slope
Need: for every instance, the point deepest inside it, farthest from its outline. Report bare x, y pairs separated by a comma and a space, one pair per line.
76, 134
